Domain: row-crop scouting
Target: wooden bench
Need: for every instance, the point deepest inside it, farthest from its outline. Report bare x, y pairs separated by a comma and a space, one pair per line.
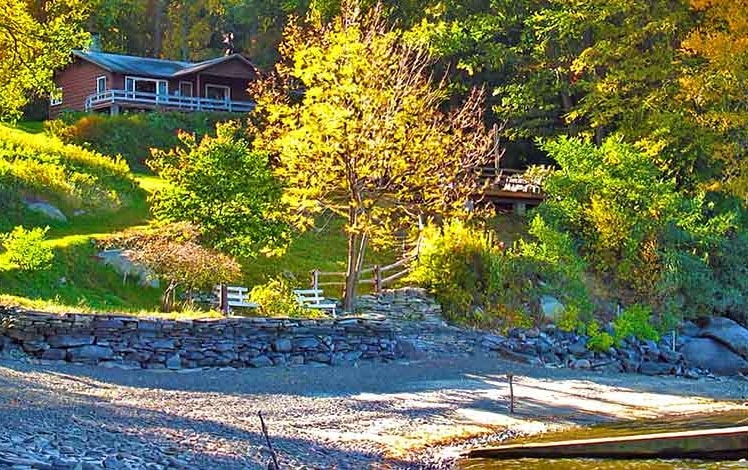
236, 296
313, 298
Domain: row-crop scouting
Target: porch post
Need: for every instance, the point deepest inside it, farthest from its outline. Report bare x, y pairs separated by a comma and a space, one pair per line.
197, 95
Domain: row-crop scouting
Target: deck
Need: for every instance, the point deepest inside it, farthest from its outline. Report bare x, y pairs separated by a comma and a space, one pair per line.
509, 186
132, 99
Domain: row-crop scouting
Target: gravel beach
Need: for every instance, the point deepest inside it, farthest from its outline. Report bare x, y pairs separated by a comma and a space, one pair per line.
399, 415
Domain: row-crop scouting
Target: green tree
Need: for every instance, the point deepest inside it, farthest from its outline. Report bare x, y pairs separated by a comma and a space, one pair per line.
226, 188
34, 42
367, 138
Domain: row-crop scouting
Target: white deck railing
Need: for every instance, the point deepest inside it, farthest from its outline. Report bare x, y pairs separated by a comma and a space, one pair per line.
187, 103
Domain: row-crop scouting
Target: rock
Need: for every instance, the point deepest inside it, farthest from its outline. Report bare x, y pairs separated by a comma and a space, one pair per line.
306, 343
261, 361
581, 364
68, 341
551, 308
174, 362
707, 353
689, 328
47, 209
282, 345
727, 332
578, 348
89, 353
120, 261
655, 368
54, 354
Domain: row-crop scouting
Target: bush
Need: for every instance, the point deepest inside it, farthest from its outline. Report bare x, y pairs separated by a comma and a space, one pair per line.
276, 299
600, 341
173, 253
26, 248
132, 135
635, 321
479, 283
225, 187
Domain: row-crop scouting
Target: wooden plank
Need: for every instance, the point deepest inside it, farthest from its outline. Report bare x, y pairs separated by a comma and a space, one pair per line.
725, 443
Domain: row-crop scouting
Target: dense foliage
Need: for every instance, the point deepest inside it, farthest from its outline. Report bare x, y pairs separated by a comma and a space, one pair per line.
40, 167
678, 253
226, 188
35, 40
276, 299
132, 135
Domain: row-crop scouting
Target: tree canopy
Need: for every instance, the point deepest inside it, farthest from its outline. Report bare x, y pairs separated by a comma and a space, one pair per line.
36, 39
357, 125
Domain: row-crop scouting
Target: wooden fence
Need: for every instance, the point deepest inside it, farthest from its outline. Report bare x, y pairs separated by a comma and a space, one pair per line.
376, 276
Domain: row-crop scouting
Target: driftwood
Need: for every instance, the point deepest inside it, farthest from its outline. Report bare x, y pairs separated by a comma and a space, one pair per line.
274, 465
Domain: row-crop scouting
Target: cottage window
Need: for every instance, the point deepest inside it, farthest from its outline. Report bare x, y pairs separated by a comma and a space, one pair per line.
185, 89
146, 85
56, 98
218, 92
101, 84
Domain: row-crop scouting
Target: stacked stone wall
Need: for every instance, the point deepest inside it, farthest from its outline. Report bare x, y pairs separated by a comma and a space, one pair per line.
132, 342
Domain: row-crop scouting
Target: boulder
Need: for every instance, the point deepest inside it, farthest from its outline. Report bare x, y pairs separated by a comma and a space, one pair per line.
261, 361
727, 332
174, 362
707, 353
47, 209
119, 260
551, 308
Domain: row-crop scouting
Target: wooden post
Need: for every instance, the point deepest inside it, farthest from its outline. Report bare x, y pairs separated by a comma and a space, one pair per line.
314, 278
224, 300
511, 393
377, 279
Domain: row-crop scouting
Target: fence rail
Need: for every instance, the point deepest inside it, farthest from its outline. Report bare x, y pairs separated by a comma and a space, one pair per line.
188, 103
378, 280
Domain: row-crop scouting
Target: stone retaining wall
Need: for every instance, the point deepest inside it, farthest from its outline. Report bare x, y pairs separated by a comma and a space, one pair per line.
131, 342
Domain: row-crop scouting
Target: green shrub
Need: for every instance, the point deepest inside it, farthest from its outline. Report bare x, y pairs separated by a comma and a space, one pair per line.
680, 252
26, 248
132, 135
600, 341
276, 299
635, 321
454, 262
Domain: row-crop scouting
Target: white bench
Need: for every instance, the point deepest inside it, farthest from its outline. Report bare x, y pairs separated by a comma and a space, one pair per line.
313, 298
236, 296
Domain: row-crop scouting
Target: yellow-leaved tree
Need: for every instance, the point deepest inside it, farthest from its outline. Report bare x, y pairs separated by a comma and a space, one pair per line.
36, 38
359, 127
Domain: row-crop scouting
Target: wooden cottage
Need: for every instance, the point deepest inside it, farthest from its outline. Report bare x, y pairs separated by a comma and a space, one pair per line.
98, 81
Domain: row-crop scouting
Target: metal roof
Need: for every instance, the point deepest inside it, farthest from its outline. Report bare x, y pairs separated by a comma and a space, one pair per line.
134, 65
149, 67
200, 66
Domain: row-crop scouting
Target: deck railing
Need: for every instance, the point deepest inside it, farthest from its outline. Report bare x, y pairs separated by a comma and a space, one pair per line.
509, 180
186, 103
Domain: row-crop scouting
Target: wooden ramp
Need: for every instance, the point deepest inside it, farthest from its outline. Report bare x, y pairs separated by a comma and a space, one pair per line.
707, 444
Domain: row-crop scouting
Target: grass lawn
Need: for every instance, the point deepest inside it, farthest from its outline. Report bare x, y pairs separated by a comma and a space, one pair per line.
32, 127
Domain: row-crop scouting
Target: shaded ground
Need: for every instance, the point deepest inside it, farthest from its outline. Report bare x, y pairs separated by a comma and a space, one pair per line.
371, 416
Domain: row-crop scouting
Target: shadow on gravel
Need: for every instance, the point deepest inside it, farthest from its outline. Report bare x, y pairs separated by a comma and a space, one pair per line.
327, 418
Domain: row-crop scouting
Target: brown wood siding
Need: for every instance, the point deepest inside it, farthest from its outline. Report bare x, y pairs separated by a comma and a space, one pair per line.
238, 86
233, 68
78, 82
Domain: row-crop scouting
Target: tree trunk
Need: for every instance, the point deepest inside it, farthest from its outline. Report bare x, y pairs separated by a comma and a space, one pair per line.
351, 275
167, 299
158, 31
